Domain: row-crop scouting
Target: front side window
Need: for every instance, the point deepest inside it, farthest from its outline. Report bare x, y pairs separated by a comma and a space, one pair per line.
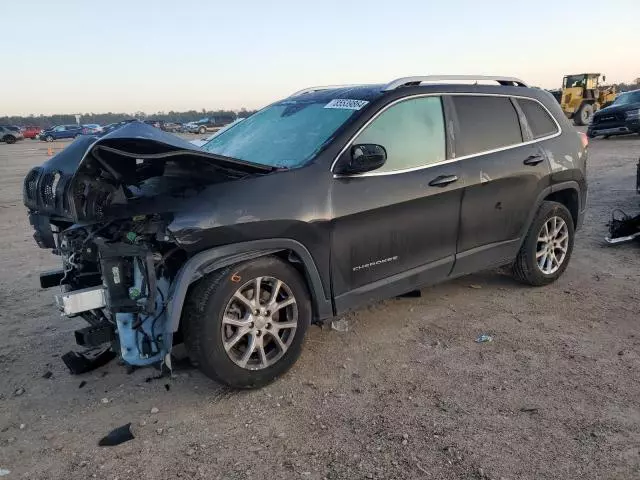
286, 134
412, 132
486, 123
539, 120
59, 129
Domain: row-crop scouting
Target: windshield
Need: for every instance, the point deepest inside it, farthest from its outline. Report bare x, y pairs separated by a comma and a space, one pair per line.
574, 81
627, 98
285, 134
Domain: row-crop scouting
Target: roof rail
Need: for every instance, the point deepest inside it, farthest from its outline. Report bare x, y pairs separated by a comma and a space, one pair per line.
316, 89
414, 81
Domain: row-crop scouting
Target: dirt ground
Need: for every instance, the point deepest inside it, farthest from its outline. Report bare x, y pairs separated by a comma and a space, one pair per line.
405, 393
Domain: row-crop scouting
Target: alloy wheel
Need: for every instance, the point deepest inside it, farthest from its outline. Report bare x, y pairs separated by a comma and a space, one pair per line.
259, 323
552, 246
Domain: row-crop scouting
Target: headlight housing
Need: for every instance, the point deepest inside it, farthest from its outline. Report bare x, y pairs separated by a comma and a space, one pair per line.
633, 114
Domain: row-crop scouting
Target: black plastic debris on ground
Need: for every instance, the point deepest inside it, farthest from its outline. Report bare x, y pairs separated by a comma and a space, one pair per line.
78, 363
623, 226
47, 374
117, 436
82, 384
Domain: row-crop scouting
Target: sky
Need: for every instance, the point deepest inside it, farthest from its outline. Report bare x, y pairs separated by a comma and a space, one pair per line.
67, 56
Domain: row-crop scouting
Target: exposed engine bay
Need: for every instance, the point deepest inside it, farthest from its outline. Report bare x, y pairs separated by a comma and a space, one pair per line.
103, 205
116, 276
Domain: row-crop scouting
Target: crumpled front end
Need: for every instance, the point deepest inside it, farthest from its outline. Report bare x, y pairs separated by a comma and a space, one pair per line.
117, 277
103, 205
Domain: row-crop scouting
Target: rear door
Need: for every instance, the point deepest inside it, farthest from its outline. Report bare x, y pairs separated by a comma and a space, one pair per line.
395, 228
504, 169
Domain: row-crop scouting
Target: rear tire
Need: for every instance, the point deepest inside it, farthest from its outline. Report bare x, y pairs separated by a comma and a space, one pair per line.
213, 317
527, 267
202, 130
583, 115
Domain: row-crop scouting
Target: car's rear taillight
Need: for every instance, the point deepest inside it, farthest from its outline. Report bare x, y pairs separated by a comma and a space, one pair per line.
584, 139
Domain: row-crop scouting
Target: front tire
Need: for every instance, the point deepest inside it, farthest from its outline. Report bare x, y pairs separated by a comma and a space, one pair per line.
202, 130
583, 115
547, 248
48, 138
242, 339
10, 139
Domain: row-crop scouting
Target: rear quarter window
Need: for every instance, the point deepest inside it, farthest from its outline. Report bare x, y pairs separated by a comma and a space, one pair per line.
539, 120
485, 123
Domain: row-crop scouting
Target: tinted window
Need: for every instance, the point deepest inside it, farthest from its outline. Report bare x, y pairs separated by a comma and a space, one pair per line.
539, 120
412, 132
486, 123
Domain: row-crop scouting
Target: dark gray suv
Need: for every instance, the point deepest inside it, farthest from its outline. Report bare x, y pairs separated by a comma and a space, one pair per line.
332, 198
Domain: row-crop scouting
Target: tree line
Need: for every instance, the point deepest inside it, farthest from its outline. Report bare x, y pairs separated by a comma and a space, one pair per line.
176, 117
111, 117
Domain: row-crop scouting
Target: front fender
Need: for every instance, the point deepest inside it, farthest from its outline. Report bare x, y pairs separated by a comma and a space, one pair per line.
216, 258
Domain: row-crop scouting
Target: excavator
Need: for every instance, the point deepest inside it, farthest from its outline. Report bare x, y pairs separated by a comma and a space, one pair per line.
582, 96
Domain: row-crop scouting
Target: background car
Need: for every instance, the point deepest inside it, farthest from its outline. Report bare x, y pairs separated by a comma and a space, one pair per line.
619, 118
10, 134
155, 123
31, 132
172, 127
203, 141
61, 131
114, 126
91, 128
210, 124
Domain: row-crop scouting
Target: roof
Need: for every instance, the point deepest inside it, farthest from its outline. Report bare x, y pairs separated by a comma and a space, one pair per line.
352, 92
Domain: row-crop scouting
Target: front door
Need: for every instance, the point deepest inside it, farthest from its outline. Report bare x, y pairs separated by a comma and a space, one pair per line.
395, 228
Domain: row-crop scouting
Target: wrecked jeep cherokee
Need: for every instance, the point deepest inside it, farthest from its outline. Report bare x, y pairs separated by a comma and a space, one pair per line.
327, 200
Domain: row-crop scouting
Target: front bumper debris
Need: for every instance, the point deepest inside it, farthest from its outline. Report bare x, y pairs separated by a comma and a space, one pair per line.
78, 301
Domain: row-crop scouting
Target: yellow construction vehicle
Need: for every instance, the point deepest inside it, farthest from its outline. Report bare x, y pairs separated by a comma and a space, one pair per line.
582, 96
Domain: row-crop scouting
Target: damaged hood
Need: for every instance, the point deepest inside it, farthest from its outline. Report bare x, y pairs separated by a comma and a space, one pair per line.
134, 138
117, 168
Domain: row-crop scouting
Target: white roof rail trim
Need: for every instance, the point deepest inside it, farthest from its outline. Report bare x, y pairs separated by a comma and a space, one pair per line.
399, 82
323, 87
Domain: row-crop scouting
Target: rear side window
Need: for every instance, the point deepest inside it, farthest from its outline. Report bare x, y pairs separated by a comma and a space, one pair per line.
411, 131
486, 123
539, 120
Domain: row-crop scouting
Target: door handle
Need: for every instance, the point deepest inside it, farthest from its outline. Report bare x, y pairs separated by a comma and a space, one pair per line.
443, 180
533, 159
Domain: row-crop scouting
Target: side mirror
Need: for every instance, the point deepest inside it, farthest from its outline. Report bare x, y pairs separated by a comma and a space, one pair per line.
604, 78
361, 158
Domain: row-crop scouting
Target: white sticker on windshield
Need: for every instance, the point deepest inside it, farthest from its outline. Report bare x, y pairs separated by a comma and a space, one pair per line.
346, 104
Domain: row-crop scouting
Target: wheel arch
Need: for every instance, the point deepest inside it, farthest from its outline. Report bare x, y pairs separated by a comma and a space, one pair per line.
570, 198
566, 193
216, 258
